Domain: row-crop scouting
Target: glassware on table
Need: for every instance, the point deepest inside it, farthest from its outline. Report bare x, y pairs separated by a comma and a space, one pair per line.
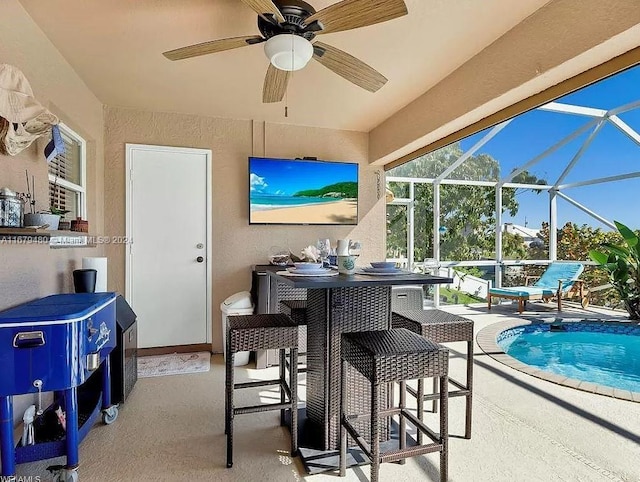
324, 247
342, 247
279, 256
429, 266
355, 248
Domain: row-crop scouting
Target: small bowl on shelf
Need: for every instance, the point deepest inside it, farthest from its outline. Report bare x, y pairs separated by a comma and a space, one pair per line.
383, 264
307, 266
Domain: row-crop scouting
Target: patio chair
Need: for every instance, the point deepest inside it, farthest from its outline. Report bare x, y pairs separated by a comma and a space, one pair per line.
407, 298
560, 280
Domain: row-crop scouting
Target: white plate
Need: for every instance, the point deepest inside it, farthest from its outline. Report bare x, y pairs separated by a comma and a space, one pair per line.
317, 271
384, 265
381, 270
384, 273
331, 272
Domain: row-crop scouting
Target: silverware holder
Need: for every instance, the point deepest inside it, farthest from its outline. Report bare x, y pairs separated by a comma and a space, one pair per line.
10, 212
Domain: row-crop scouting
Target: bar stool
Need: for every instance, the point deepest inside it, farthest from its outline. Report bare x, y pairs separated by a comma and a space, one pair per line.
407, 298
262, 332
384, 357
441, 327
297, 311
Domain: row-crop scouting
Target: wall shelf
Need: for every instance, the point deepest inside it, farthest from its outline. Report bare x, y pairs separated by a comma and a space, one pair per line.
54, 239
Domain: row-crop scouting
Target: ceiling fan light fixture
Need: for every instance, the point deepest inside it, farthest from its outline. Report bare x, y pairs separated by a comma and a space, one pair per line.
288, 52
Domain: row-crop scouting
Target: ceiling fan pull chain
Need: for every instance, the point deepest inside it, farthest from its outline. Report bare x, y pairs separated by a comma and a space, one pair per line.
286, 93
286, 104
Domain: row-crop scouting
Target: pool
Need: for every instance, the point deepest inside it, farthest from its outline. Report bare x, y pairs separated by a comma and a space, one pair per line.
605, 354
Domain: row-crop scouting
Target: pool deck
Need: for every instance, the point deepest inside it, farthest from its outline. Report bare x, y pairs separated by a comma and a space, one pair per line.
525, 429
486, 340
530, 421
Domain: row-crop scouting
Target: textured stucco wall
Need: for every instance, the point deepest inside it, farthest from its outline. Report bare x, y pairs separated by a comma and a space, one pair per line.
536, 54
236, 245
32, 271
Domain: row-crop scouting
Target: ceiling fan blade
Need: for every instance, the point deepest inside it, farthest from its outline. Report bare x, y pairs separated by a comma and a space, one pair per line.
350, 14
212, 47
264, 6
348, 67
275, 85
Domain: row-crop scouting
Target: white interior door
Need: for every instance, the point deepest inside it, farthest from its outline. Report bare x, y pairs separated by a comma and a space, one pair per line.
169, 226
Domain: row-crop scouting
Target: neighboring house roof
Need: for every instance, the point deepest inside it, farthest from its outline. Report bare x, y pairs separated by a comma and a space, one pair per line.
526, 233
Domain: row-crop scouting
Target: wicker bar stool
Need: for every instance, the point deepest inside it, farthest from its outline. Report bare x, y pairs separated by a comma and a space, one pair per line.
262, 332
441, 327
384, 357
297, 311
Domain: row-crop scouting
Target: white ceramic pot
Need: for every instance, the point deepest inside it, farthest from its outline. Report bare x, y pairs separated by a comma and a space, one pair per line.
41, 219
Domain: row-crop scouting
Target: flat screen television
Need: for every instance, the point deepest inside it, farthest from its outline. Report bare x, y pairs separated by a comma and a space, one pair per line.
301, 191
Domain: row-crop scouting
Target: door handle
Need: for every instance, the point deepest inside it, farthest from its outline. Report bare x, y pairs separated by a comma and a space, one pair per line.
199, 259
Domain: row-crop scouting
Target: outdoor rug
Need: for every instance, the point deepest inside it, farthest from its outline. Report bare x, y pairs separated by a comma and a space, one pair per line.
173, 364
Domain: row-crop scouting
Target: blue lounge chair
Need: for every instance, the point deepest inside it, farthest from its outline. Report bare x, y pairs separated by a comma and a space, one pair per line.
558, 281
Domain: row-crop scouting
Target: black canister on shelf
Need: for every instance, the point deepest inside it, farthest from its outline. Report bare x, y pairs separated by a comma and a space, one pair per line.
84, 280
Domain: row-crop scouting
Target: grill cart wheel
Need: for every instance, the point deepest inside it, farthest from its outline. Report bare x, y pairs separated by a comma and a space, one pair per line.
65, 475
109, 415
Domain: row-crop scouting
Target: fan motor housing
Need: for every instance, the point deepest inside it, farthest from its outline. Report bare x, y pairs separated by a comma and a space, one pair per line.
294, 12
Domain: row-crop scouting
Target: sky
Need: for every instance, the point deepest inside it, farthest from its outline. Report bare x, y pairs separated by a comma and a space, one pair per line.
611, 153
286, 177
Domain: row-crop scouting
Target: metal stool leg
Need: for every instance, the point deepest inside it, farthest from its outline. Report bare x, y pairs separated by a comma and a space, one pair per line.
293, 388
230, 357
420, 402
226, 388
444, 430
375, 436
434, 403
343, 430
469, 396
403, 422
283, 381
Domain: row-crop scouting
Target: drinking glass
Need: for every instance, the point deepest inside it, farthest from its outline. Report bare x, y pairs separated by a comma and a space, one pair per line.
355, 248
324, 247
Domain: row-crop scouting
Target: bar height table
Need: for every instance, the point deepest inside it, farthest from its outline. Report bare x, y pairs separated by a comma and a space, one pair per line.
336, 305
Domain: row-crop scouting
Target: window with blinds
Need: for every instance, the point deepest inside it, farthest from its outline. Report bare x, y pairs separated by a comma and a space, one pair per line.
67, 176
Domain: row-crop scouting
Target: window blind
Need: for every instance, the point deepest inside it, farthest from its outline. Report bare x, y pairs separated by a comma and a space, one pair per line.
65, 167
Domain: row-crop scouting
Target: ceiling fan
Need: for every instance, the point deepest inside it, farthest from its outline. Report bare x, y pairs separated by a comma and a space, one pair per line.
289, 27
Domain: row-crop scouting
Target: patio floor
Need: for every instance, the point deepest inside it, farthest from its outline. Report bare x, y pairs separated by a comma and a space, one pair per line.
524, 429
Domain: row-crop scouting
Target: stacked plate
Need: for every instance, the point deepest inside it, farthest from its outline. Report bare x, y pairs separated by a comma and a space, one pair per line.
309, 269
307, 265
382, 268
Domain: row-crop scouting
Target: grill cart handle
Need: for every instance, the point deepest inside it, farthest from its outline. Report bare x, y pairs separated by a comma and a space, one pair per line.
28, 339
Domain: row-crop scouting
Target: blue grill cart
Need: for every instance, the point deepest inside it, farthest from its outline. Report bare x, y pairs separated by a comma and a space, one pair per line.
55, 344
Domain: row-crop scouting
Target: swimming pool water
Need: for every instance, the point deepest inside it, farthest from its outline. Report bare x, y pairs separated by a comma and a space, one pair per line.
605, 358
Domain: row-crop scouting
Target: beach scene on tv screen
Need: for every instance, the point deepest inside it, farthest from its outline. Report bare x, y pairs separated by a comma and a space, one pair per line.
303, 192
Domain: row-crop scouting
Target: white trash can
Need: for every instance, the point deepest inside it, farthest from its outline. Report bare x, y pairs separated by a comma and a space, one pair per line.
237, 304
